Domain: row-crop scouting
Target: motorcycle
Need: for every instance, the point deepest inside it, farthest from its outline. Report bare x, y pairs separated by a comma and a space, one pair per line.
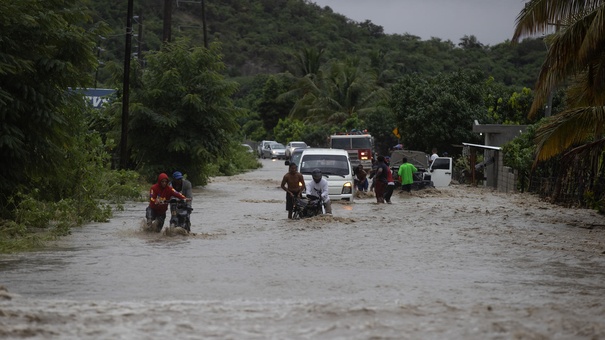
179, 215
312, 206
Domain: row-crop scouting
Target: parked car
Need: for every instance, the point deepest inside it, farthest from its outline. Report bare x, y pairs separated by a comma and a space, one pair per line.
248, 148
262, 145
294, 145
274, 150
335, 167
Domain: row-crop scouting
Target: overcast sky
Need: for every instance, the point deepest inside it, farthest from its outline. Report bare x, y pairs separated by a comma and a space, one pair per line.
491, 21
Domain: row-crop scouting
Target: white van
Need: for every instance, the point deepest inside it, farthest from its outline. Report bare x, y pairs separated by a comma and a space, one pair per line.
335, 167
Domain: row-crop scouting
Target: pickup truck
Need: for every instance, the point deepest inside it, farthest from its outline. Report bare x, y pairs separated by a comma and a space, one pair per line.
437, 174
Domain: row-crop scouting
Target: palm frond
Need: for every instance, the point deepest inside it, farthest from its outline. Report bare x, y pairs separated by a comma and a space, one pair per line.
561, 63
569, 128
595, 33
538, 16
580, 91
589, 150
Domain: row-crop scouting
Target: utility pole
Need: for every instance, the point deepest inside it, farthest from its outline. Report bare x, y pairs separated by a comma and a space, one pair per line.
204, 23
126, 88
167, 20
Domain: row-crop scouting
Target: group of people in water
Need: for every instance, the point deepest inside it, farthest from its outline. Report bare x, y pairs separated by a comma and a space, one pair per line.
383, 183
160, 195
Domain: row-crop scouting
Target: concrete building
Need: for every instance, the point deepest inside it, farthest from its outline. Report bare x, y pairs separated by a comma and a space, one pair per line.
495, 136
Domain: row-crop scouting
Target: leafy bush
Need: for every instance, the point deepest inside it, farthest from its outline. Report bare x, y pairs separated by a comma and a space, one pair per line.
236, 161
519, 154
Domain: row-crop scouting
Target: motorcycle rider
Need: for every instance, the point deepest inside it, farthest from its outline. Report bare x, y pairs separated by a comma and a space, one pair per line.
317, 187
293, 183
183, 186
159, 195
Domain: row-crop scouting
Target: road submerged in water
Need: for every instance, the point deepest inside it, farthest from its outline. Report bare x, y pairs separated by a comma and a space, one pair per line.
456, 263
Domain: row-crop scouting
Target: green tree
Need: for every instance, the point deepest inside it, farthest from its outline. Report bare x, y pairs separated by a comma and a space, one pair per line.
289, 129
470, 42
519, 154
183, 117
338, 92
45, 51
438, 111
381, 123
309, 61
271, 107
506, 104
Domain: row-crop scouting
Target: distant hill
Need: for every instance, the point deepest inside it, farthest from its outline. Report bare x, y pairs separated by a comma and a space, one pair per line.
262, 37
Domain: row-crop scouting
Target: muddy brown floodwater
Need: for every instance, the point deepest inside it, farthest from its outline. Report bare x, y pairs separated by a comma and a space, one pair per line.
453, 263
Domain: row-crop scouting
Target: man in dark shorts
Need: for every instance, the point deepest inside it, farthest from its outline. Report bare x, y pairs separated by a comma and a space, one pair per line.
294, 185
380, 179
406, 173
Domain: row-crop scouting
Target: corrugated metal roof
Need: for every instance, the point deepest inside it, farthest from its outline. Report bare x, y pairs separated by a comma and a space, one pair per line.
482, 146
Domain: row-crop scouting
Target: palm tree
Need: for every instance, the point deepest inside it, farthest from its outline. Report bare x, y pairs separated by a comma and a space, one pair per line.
309, 60
336, 93
576, 56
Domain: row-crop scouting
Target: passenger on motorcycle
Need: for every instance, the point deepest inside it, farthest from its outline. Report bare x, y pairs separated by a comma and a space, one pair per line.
159, 195
317, 187
183, 186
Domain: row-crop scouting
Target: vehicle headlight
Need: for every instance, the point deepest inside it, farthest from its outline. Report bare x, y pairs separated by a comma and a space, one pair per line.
347, 188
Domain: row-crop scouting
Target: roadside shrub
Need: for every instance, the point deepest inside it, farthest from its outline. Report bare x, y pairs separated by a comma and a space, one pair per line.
236, 161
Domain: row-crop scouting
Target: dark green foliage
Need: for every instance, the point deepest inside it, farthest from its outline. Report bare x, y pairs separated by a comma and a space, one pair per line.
381, 123
270, 108
44, 52
289, 129
505, 105
340, 91
182, 116
438, 111
316, 136
262, 38
235, 160
309, 61
519, 154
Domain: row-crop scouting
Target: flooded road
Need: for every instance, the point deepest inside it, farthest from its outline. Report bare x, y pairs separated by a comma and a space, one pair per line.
457, 263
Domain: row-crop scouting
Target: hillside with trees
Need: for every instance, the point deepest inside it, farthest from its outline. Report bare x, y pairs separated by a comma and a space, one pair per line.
265, 37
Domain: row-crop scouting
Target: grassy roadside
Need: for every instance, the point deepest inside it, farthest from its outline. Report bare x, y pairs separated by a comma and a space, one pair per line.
36, 221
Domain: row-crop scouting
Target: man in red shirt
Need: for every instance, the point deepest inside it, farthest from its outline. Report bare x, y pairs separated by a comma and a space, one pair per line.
159, 195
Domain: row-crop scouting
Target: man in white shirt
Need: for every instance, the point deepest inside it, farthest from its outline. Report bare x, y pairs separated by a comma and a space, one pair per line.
318, 186
433, 156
